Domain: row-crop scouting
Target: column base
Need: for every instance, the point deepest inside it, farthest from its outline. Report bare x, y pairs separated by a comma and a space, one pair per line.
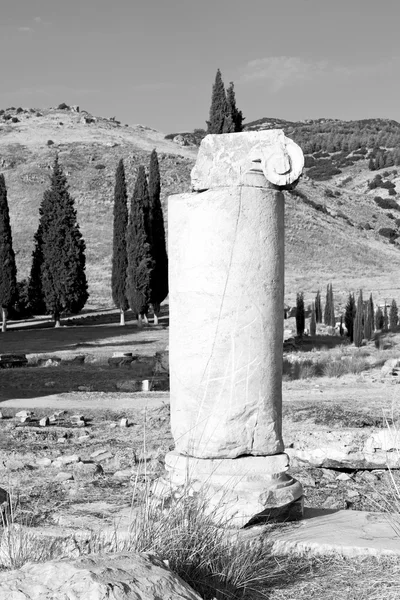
236, 492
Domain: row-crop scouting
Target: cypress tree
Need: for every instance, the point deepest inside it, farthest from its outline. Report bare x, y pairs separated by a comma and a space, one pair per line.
313, 321
358, 321
393, 316
318, 308
234, 117
368, 319
218, 108
159, 274
63, 268
332, 309
300, 319
379, 318
138, 251
36, 301
349, 316
8, 272
385, 318
372, 313
120, 259
327, 310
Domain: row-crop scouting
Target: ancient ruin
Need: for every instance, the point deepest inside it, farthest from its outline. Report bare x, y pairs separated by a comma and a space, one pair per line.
226, 253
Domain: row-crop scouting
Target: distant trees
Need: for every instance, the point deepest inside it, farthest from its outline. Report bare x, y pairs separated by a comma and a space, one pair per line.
300, 318
119, 258
140, 262
63, 276
358, 321
224, 114
393, 316
318, 308
349, 315
159, 273
329, 313
8, 271
313, 321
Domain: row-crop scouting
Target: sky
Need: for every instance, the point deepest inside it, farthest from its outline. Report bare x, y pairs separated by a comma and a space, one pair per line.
153, 62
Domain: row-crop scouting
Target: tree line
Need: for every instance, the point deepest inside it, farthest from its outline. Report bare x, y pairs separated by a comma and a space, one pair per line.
57, 283
359, 321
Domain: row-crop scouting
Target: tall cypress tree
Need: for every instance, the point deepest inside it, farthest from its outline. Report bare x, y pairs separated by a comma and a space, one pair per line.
385, 318
64, 281
159, 274
8, 269
349, 316
358, 321
138, 251
120, 259
393, 316
300, 319
318, 307
218, 108
36, 301
234, 117
329, 313
379, 318
372, 312
313, 321
368, 319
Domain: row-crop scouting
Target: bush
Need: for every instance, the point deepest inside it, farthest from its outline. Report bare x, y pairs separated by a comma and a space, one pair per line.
19, 110
63, 106
15, 120
392, 192
389, 233
99, 167
386, 203
50, 142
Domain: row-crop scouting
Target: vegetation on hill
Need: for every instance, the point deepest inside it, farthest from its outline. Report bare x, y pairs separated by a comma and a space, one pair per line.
224, 114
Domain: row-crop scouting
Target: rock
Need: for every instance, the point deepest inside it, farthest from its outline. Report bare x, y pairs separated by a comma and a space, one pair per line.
43, 462
61, 440
85, 388
161, 365
4, 502
124, 422
64, 476
123, 474
50, 384
66, 459
389, 366
87, 470
1, 415
25, 419
179, 139
24, 414
51, 361
44, 422
102, 455
78, 420
83, 438
120, 361
343, 477
57, 415
78, 359
120, 576
112, 425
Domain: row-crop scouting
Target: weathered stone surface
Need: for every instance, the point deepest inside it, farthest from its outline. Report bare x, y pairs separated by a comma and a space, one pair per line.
101, 455
24, 414
43, 462
223, 160
44, 422
51, 361
124, 422
235, 490
64, 476
66, 460
225, 340
121, 576
87, 470
123, 474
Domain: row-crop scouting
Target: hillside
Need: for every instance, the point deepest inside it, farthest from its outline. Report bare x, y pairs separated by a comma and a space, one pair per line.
89, 149
342, 224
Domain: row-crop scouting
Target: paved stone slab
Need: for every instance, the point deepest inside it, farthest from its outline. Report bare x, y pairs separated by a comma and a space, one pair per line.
345, 532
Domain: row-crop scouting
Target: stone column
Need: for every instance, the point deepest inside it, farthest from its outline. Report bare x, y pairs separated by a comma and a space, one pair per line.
226, 281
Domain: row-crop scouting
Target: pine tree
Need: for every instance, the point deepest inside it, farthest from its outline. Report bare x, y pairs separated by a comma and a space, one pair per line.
234, 117
138, 251
379, 322
8, 272
318, 308
218, 108
159, 274
36, 301
63, 268
313, 321
300, 319
393, 316
349, 316
120, 259
358, 321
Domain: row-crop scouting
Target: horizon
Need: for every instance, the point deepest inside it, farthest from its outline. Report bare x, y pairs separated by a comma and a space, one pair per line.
155, 63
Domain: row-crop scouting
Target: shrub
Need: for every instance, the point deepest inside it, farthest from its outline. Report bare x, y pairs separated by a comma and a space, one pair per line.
15, 120
386, 203
50, 142
99, 167
334, 368
19, 110
392, 192
2, 111
388, 232
63, 106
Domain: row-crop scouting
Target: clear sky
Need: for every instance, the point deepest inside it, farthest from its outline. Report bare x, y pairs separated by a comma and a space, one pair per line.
154, 61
